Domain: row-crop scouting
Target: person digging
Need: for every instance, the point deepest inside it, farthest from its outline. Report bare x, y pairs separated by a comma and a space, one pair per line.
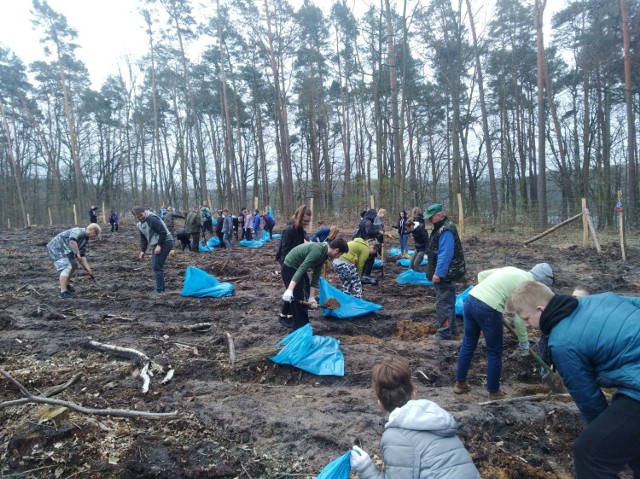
296, 264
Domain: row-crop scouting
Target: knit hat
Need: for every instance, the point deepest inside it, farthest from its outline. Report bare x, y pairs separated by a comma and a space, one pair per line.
543, 273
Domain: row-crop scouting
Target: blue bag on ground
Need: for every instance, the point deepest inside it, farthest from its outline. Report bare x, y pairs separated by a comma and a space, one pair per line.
338, 468
397, 252
413, 277
213, 242
407, 262
460, 299
201, 284
265, 238
277, 235
377, 263
205, 248
320, 355
251, 243
350, 307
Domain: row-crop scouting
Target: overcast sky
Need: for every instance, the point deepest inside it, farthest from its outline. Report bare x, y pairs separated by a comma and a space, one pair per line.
110, 30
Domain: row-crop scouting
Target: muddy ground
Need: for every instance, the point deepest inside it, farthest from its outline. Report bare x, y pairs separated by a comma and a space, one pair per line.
256, 419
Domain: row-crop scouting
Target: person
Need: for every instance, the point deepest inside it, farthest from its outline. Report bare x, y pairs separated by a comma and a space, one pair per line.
114, 220
169, 219
219, 226
483, 312
93, 214
154, 233
445, 266
420, 438
368, 231
294, 271
420, 241
293, 234
349, 266
227, 227
325, 234
206, 220
240, 225
269, 223
257, 219
193, 226
403, 233
594, 342
248, 225
378, 224
68, 249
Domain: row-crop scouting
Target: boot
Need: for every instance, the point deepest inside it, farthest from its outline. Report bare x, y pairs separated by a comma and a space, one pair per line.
497, 395
461, 387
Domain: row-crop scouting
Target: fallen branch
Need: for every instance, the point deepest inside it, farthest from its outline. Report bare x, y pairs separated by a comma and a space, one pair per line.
550, 230
232, 349
146, 379
30, 398
193, 327
168, 376
535, 397
128, 353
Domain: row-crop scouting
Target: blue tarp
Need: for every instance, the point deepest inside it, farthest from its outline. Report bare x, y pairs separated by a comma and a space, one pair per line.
251, 243
319, 355
413, 277
377, 263
213, 242
201, 284
350, 307
407, 262
265, 238
397, 252
460, 299
277, 236
339, 468
203, 248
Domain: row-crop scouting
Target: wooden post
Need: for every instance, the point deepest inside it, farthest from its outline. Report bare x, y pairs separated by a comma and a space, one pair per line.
311, 221
28, 220
621, 223
593, 230
8, 223
75, 215
104, 214
585, 225
460, 216
372, 203
50, 218
255, 202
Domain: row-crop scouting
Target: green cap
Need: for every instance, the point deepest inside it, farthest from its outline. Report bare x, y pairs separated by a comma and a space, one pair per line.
433, 209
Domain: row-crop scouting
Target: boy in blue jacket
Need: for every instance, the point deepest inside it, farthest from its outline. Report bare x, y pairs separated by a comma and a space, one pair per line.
594, 342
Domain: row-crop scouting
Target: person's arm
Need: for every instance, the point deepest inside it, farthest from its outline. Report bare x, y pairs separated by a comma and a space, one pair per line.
314, 257
143, 245
445, 254
156, 224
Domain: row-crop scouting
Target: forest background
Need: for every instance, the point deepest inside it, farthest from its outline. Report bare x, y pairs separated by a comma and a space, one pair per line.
411, 101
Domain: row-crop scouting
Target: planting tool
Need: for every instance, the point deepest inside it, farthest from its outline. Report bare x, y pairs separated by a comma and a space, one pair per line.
550, 377
331, 303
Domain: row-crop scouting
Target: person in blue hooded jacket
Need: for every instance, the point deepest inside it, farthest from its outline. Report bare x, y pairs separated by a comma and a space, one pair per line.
594, 343
419, 440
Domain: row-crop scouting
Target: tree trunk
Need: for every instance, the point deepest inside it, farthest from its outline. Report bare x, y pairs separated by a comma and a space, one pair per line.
538, 12
632, 204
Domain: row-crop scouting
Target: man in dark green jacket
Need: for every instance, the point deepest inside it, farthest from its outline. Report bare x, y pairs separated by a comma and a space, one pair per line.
299, 260
192, 225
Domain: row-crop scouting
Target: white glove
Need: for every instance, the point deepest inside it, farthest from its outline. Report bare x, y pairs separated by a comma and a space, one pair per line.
359, 459
313, 304
287, 296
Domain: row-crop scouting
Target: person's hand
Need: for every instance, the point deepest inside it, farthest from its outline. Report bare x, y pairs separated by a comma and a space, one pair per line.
90, 274
359, 459
287, 296
141, 255
157, 249
436, 278
313, 304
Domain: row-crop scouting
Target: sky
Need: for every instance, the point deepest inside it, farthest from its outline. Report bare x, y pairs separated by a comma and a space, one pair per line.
111, 30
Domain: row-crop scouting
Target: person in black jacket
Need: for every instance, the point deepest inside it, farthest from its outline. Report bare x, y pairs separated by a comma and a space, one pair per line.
368, 231
154, 233
420, 240
93, 214
219, 234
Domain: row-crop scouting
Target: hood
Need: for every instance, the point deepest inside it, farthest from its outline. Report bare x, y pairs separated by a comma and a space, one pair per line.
370, 214
560, 306
423, 415
543, 273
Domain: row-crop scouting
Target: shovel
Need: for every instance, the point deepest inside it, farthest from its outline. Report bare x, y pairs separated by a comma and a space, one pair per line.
331, 303
550, 378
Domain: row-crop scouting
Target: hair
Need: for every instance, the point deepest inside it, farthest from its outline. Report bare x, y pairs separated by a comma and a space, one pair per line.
136, 210
528, 296
415, 211
580, 291
382, 212
333, 232
403, 211
340, 244
391, 381
94, 227
298, 216
225, 210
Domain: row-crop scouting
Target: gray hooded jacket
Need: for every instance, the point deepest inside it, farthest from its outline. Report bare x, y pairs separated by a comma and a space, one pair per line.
420, 442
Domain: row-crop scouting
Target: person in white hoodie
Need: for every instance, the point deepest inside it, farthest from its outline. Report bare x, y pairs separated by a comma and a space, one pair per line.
419, 440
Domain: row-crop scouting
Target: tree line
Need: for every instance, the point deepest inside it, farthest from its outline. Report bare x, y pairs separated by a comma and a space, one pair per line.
412, 102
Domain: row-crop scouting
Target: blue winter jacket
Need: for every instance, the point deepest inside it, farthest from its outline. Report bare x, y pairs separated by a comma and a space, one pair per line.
598, 345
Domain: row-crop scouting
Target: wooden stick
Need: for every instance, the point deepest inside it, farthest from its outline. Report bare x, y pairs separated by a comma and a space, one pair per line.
593, 230
129, 353
460, 216
534, 397
550, 230
621, 223
232, 349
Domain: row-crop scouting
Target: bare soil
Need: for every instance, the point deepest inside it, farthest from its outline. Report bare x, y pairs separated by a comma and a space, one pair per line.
255, 419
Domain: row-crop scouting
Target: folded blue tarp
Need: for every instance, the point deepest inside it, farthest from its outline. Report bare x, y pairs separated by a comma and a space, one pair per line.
460, 299
277, 236
339, 468
350, 307
377, 263
201, 284
407, 262
203, 248
397, 252
413, 277
251, 243
213, 242
265, 238
320, 355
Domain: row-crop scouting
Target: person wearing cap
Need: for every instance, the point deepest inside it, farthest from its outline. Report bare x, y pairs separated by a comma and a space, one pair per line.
483, 312
594, 343
445, 266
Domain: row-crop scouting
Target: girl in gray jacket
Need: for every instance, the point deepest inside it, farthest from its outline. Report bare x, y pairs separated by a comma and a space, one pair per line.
419, 440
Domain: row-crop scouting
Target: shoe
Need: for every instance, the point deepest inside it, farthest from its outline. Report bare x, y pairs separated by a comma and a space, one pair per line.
443, 337
461, 387
70, 288
66, 294
286, 321
497, 395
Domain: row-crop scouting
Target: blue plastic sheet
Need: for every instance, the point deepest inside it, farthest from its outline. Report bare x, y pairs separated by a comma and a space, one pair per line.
413, 277
251, 243
201, 284
397, 252
319, 355
205, 248
407, 262
377, 263
339, 468
460, 299
265, 238
350, 307
213, 242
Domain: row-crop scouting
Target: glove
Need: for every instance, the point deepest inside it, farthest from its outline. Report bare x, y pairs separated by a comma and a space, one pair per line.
524, 345
359, 459
287, 296
313, 303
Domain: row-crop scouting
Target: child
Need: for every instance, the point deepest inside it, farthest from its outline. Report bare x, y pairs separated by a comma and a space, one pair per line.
419, 440
403, 232
257, 218
114, 220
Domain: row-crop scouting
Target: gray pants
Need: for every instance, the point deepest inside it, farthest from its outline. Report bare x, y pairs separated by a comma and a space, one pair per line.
416, 259
445, 309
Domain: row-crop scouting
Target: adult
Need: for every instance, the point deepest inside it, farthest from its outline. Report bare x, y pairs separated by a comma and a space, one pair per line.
326, 233
227, 227
269, 223
68, 249
350, 265
419, 439
420, 241
483, 312
248, 225
219, 226
169, 219
193, 226
114, 220
378, 224
402, 226
368, 231
294, 271
93, 214
293, 234
594, 342
257, 219
206, 220
155, 234
445, 266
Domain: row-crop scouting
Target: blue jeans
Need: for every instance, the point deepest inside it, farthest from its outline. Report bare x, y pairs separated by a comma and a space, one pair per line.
226, 237
157, 263
479, 317
404, 243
